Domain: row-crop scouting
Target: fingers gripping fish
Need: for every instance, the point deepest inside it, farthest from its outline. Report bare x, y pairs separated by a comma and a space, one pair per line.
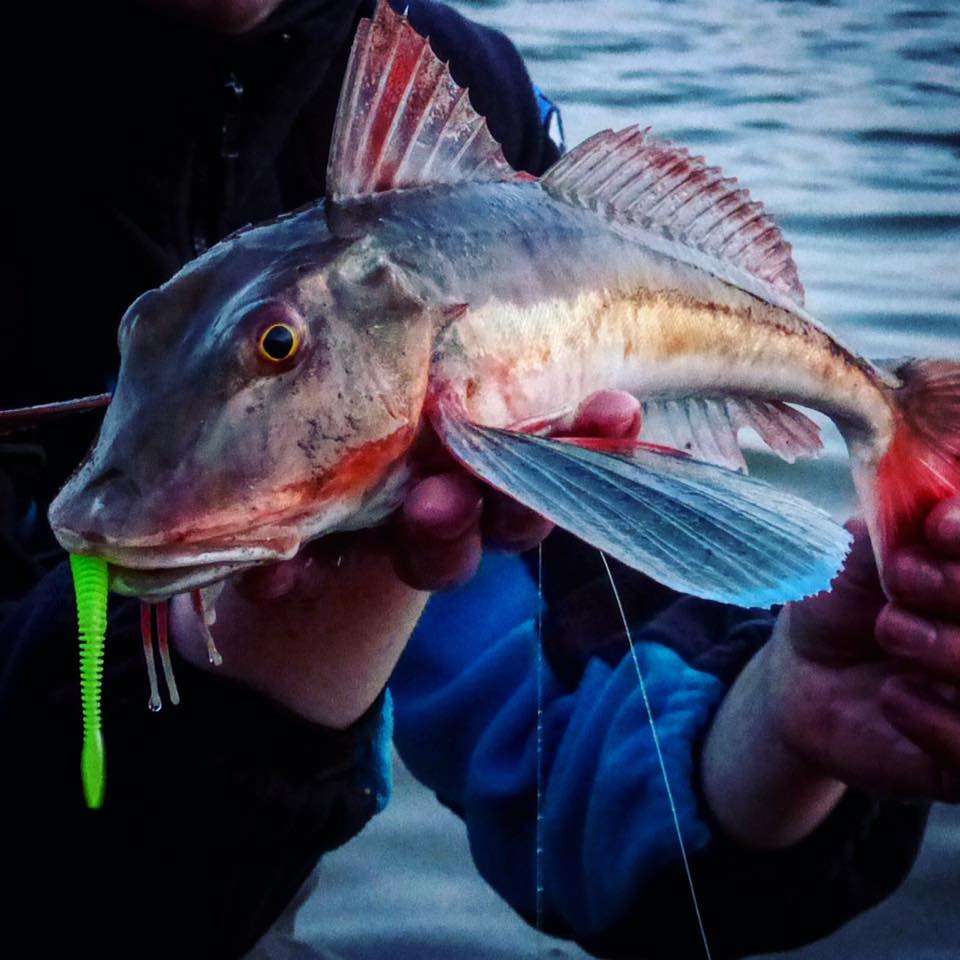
272, 390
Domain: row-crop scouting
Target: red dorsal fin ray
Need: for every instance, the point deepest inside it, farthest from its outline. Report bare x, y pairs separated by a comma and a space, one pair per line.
637, 179
402, 121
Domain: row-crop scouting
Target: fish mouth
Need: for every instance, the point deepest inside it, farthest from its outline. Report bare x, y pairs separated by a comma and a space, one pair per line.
162, 583
158, 573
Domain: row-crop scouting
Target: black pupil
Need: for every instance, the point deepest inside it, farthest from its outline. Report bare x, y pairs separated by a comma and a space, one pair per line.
278, 342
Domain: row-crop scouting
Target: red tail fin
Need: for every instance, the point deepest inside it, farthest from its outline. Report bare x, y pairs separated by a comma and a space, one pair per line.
922, 465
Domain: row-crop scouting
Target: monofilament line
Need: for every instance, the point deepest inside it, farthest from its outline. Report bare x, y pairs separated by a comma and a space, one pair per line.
663, 767
538, 655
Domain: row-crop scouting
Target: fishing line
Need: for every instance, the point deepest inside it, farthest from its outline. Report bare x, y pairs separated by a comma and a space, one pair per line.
663, 767
538, 655
146, 632
163, 644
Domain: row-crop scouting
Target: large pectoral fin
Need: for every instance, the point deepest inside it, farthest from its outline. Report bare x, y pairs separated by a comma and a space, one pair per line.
695, 527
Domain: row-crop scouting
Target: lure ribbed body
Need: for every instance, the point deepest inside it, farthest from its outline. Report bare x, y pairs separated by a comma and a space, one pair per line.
91, 583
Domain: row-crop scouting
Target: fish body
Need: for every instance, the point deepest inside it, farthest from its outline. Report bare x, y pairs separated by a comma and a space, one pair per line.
564, 303
275, 389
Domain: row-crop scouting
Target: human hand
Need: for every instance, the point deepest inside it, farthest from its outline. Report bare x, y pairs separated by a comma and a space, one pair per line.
321, 633
855, 688
449, 515
868, 679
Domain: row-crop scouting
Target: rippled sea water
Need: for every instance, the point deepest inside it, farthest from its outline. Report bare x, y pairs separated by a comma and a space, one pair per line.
844, 118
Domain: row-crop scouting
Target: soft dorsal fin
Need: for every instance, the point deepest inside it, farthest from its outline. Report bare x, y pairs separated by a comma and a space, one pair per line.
638, 179
402, 121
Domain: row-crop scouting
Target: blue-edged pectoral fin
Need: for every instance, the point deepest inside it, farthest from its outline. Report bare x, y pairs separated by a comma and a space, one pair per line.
698, 528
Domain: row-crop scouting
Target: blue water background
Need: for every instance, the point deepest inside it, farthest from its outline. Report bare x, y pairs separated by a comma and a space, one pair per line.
844, 119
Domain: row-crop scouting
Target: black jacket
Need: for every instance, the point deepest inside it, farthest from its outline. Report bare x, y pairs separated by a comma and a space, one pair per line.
133, 145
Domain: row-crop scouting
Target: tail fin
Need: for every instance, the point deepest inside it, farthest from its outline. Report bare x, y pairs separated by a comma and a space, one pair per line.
921, 467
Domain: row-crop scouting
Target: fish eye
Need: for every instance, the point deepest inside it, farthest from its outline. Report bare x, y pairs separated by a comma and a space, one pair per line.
279, 342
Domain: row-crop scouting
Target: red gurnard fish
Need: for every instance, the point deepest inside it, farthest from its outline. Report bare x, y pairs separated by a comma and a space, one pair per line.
272, 390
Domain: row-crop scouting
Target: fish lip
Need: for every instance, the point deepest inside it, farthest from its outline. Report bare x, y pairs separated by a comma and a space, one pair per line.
156, 574
158, 584
174, 556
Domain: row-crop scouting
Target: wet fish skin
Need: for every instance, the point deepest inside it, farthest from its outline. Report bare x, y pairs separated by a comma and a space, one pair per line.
226, 463
562, 304
207, 457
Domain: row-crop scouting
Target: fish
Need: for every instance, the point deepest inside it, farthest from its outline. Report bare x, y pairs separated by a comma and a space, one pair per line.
276, 388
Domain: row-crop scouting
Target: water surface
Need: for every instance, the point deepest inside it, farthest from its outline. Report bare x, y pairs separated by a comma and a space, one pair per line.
843, 118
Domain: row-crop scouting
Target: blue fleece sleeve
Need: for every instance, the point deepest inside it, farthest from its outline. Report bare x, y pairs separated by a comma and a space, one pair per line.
465, 696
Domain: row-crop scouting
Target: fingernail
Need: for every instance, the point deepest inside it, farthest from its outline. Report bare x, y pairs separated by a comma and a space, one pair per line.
908, 633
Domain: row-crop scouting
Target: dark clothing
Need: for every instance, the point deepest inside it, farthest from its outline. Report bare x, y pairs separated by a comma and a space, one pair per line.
215, 810
752, 902
468, 690
138, 144
141, 143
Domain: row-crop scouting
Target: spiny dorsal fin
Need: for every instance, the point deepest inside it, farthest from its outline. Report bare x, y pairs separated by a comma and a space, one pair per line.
654, 184
402, 121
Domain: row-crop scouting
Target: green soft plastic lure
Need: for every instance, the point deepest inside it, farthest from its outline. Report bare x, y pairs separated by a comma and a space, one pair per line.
91, 584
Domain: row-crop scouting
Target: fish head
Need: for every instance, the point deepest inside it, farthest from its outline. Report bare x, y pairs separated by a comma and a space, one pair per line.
267, 393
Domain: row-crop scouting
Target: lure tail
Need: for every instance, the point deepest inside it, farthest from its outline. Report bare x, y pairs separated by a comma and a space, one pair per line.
90, 583
921, 465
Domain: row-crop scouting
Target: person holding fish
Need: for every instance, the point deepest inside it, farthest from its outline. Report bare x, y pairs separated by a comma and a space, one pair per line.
319, 420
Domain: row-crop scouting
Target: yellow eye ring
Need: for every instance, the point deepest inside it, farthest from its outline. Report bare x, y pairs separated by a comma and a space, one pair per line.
279, 342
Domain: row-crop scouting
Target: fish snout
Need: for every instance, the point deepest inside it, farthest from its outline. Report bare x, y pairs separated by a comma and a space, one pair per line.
96, 507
